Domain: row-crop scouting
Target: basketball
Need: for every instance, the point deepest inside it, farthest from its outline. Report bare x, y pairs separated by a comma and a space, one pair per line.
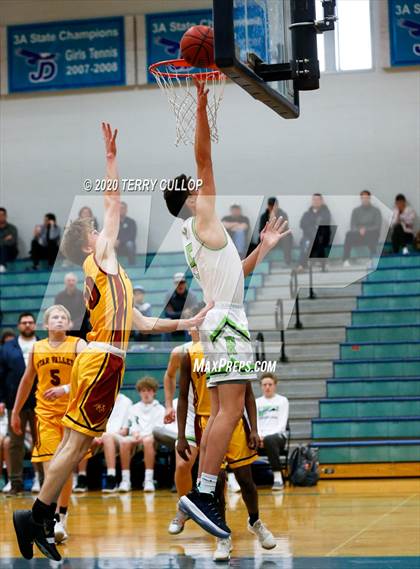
197, 46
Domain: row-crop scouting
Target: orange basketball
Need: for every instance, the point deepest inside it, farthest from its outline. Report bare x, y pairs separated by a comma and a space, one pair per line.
197, 46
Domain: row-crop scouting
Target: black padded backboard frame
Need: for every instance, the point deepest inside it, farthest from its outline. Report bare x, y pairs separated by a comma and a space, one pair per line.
244, 76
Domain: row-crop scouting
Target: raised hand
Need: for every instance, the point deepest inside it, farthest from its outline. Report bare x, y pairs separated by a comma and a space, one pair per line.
274, 230
110, 140
202, 92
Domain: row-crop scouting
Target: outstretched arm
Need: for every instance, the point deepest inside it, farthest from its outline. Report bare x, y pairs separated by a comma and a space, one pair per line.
274, 230
208, 225
158, 325
109, 234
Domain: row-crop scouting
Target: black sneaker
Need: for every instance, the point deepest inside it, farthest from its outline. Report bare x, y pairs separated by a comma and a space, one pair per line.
203, 509
28, 532
110, 485
17, 489
81, 485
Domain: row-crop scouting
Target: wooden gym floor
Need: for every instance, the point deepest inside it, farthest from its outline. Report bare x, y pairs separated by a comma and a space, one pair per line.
338, 524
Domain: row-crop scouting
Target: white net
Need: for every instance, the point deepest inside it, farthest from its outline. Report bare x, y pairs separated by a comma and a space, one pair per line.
182, 96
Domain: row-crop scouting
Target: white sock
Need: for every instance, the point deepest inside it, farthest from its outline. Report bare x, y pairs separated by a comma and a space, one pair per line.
36, 476
207, 483
277, 477
125, 474
148, 475
198, 481
82, 473
111, 472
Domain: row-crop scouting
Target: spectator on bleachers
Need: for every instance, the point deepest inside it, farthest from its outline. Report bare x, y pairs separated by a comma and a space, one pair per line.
273, 209
402, 225
126, 242
237, 225
167, 433
14, 357
86, 213
45, 244
72, 299
8, 241
7, 335
144, 416
272, 415
365, 227
315, 224
109, 444
177, 301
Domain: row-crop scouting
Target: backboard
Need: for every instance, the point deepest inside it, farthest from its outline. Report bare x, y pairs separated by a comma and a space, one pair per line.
261, 28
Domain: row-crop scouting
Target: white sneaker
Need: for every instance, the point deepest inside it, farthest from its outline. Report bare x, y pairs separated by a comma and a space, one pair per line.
60, 529
125, 486
233, 485
405, 251
265, 537
278, 486
2, 269
7, 487
346, 264
36, 487
177, 524
149, 486
223, 549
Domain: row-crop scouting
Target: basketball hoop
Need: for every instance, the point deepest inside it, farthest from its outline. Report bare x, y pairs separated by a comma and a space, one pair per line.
175, 79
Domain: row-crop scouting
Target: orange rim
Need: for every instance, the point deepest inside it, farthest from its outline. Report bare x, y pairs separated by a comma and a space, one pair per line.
212, 73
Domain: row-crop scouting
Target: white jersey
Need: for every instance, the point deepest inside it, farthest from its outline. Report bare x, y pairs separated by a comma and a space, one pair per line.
218, 271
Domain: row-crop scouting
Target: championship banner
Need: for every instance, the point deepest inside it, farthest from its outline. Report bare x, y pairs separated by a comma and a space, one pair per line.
70, 54
165, 30
404, 32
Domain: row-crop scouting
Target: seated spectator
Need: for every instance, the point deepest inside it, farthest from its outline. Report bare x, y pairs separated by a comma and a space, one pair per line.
7, 335
273, 209
144, 416
8, 241
87, 213
45, 243
365, 227
126, 242
315, 225
167, 433
109, 443
402, 225
72, 299
144, 307
237, 225
177, 301
272, 415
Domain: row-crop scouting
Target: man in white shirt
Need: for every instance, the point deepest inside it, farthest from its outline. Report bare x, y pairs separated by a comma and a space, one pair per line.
111, 439
144, 416
273, 414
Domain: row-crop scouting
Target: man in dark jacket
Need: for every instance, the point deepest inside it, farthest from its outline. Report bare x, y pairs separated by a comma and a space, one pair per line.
273, 209
126, 243
365, 227
315, 225
14, 356
8, 241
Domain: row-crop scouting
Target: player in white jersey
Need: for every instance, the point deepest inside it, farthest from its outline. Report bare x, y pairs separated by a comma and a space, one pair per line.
215, 263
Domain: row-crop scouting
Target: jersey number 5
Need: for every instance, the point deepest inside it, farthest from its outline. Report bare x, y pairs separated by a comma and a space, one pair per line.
55, 377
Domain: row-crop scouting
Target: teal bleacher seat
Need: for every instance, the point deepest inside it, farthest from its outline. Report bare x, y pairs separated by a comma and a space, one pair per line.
371, 413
